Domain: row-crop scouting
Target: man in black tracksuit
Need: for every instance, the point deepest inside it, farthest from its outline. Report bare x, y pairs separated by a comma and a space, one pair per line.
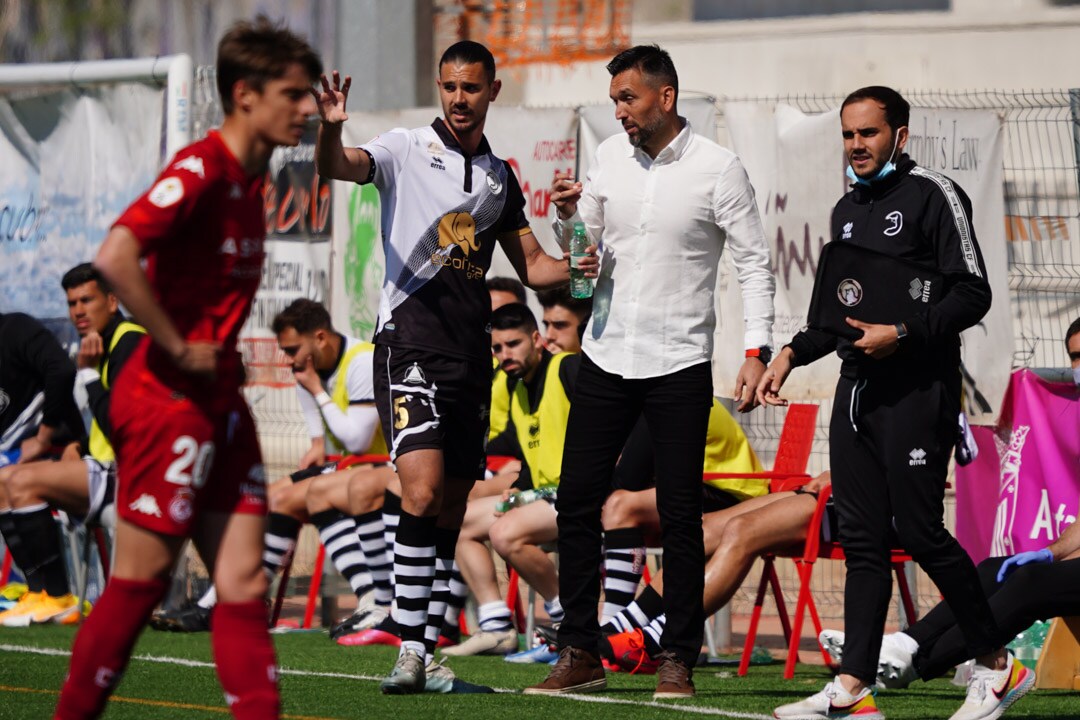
894, 421
36, 382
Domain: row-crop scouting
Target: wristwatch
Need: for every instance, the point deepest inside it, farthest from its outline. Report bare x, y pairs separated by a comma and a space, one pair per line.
763, 353
901, 331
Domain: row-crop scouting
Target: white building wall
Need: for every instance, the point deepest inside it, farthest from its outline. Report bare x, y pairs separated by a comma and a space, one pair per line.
979, 44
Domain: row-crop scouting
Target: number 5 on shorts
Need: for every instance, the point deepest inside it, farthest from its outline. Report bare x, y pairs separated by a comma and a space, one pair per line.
401, 413
192, 464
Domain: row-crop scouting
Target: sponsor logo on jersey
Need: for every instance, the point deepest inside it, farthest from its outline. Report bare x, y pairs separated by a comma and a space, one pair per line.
493, 182
193, 164
458, 229
896, 222
435, 148
918, 457
437, 163
146, 504
847, 231
167, 192
850, 292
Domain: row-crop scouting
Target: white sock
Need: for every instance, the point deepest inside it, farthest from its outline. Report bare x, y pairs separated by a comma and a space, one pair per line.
554, 609
906, 643
494, 616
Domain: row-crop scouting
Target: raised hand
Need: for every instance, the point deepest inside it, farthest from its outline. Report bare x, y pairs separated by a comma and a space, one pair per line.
565, 193
331, 100
90, 350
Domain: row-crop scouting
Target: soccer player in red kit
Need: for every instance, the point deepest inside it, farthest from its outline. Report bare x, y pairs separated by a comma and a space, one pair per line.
187, 455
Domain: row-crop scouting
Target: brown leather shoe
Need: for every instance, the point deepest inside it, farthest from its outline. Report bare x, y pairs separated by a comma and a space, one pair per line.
674, 680
575, 671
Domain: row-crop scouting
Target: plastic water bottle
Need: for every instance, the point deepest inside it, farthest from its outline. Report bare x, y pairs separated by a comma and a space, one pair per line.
523, 498
580, 286
1027, 646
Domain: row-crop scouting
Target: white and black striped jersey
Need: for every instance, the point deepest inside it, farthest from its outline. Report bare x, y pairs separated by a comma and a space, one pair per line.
442, 213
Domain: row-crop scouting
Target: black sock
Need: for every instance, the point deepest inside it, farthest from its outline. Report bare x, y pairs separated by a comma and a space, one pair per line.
40, 537
17, 548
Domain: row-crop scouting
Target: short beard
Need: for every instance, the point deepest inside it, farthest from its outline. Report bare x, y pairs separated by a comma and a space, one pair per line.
646, 132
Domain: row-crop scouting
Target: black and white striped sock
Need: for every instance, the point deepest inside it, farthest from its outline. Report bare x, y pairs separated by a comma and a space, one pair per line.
445, 549
414, 575
624, 563
391, 516
337, 531
459, 594
380, 563
280, 540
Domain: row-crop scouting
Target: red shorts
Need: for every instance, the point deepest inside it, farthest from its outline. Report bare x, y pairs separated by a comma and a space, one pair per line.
175, 459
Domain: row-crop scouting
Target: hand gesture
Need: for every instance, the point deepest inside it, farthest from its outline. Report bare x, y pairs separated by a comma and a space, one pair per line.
590, 263
746, 384
877, 341
565, 193
331, 100
768, 388
316, 454
33, 448
199, 358
307, 377
1032, 557
91, 349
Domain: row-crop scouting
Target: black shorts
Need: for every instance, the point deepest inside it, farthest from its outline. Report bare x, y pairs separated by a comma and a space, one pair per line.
714, 499
430, 401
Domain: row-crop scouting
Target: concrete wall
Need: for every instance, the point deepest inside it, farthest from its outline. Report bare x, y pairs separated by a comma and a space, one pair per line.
978, 44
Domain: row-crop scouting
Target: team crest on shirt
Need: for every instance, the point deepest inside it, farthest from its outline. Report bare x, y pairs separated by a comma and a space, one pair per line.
167, 192
493, 182
181, 506
850, 292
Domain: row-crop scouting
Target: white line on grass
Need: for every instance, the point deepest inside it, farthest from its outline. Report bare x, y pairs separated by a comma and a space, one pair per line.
164, 659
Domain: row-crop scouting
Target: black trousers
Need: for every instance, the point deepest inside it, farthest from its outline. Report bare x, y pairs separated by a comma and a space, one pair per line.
1032, 592
602, 414
889, 449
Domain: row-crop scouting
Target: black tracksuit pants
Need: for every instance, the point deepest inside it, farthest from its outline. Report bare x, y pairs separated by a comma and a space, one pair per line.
1030, 593
890, 443
603, 411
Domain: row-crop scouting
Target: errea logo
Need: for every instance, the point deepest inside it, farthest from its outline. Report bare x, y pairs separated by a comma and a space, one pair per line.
918, 457
847, 231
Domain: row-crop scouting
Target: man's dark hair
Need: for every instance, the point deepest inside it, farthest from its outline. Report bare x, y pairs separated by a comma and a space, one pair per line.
514, 316
468, 52
304, 316
652, 61
582, 307
259, 50
82, 274
897, 110
507, 284
1073, 330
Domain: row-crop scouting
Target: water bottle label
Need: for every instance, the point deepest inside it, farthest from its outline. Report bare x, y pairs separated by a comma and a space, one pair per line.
575, 260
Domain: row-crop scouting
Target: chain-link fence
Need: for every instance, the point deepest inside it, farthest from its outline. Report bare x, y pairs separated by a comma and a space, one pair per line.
1042, 228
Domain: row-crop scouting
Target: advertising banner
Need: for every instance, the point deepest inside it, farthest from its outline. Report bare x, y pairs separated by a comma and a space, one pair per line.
1023, 489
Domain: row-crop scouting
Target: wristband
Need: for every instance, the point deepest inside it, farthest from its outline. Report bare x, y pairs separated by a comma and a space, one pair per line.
763, 353
323, 399
901, 331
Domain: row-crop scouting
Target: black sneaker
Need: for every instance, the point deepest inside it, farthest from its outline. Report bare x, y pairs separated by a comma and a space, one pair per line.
548, 633
193, 618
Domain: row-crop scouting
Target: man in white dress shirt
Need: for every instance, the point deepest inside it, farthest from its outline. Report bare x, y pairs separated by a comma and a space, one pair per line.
660, 202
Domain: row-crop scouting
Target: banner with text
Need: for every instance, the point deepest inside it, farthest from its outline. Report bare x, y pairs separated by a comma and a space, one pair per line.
1023, 489
796, 164
72, 161
536, 143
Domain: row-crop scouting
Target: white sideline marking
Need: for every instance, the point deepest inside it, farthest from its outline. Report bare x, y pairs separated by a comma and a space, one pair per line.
693, 709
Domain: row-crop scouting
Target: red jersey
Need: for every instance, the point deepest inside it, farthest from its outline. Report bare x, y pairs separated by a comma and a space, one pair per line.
201, 228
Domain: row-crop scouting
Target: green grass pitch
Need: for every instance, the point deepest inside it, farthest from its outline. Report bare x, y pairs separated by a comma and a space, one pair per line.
321, 680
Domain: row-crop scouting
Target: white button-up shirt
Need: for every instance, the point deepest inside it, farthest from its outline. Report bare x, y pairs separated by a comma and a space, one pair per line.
661, 225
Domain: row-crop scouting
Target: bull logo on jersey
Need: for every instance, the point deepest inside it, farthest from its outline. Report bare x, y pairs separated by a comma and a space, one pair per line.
458, 228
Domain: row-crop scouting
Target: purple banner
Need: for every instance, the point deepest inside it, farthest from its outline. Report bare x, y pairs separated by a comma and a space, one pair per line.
1023, 490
